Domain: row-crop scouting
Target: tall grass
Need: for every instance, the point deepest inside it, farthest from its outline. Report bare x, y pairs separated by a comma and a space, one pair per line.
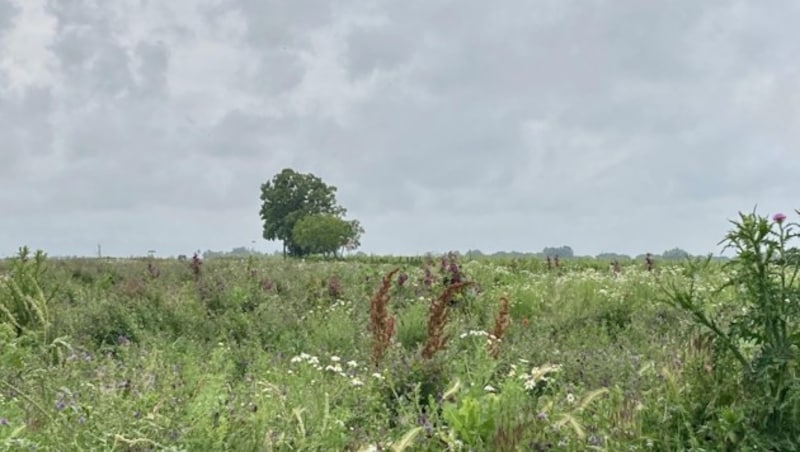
459, 354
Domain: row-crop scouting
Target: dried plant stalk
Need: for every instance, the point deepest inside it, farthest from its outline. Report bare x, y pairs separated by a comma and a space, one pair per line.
381, 323
437, 320
501, 322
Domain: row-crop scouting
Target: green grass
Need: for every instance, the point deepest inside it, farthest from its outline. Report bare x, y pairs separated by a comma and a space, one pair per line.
267, 354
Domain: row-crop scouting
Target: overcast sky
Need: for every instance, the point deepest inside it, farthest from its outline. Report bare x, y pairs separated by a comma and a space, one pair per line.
622, 125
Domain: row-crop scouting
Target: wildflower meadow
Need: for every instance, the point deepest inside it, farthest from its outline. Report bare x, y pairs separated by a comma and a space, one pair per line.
425, 353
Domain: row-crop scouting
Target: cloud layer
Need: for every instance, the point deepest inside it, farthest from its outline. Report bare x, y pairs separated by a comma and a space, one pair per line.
609, 126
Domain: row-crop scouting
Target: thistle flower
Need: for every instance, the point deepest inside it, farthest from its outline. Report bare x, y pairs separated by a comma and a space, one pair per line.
402, 278
779, 217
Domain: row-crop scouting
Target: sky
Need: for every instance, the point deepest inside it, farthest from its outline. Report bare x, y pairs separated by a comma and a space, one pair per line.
609, 126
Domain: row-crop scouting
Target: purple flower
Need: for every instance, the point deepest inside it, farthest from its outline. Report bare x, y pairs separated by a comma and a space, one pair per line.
778, 218
3, 421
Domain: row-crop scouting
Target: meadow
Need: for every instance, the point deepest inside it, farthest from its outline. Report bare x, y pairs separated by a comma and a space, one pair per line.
438, 353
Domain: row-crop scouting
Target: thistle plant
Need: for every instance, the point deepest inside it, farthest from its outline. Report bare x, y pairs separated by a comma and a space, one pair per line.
763, 280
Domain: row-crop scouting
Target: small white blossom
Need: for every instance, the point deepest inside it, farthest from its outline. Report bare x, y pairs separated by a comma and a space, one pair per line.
512, 372
475, 333
313, 360
334, 368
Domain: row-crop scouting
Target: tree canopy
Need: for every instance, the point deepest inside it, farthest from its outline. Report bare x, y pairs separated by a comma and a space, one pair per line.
322, 234
562, 251
288, 198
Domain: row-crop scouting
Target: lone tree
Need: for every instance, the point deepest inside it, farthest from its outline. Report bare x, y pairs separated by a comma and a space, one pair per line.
290, 197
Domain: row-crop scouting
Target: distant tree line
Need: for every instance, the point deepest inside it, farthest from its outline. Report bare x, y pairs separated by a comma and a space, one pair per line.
301, 211
675, 254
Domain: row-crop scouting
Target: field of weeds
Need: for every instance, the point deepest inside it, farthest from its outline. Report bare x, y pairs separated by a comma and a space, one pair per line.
418, 354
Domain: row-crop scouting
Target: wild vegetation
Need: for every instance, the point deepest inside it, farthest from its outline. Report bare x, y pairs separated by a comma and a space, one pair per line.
404, 354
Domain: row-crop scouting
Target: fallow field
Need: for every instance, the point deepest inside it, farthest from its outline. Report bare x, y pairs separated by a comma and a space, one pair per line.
432, 354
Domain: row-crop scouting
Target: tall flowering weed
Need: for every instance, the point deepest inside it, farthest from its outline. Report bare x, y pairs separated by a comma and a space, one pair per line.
757, 341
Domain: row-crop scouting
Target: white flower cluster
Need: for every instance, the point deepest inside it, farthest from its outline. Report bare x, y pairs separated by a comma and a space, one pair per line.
537, 374
490, 338
305, 357
341, 304
336, 366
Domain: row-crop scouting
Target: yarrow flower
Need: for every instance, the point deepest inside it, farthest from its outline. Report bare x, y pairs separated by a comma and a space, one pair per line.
474, 333
313, 360
778, 217
538, 374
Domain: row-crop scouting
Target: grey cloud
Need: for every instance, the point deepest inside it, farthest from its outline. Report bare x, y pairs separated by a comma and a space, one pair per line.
78, 12
154, 62
96, 66
379, 48
280, 72
25, 128
110, 71
240, 133
397, 147
8, 10
625, 73
274, 23
75, 47
613, 126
